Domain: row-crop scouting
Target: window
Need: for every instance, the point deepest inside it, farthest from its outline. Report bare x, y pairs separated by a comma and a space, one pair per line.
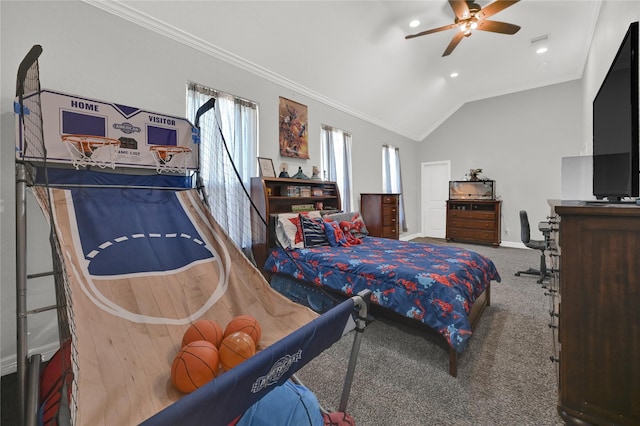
233, 121
335, 161
392, 178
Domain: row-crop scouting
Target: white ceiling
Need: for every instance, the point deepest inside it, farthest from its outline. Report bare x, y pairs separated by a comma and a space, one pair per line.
353, 55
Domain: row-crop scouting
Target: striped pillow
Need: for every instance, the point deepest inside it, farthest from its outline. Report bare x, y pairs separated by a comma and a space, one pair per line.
289, 230
313, 232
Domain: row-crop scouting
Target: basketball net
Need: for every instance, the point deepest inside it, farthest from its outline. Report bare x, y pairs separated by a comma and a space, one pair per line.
86, 150
170, 158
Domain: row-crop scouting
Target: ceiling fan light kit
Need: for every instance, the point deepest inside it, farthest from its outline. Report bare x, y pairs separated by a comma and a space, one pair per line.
470, 16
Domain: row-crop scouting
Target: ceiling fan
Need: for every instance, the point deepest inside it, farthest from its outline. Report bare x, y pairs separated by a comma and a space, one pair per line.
470, 16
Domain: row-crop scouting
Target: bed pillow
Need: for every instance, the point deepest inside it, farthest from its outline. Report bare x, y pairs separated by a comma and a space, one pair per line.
351, 222
313, 232
289, 230
335, 236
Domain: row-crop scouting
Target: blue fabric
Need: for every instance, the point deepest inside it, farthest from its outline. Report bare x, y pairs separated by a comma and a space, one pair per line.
305, 294
434, 284
125, 231
287, 405
229, 395
335, 236
90, 177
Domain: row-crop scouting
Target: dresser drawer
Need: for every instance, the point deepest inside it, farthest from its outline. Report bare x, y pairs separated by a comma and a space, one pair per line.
389, 210
390, 199
471, 234
485, 225
472, 214
390, 232
389, 220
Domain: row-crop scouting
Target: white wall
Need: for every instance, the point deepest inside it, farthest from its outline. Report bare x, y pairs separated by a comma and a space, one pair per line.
518, 140
613, 23
91, 53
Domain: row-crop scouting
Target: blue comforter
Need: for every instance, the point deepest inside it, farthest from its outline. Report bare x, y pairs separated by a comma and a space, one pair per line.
434, 284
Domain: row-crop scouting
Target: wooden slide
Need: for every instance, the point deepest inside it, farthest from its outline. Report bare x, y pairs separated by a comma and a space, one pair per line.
129, 312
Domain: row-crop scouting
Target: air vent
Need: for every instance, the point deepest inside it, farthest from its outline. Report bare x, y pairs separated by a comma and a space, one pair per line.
539, 39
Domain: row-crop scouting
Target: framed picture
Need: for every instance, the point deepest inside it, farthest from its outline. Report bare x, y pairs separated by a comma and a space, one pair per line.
266, 167
294, 137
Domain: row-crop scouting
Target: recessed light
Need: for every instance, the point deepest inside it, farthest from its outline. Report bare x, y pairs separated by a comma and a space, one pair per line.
453, 75
414, 23
541, 50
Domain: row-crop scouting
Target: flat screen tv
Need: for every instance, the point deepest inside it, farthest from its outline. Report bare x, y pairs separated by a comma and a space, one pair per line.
615, 126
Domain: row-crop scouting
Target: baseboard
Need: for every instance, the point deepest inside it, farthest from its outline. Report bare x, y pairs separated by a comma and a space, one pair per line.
10, 364
512, 244
407, 237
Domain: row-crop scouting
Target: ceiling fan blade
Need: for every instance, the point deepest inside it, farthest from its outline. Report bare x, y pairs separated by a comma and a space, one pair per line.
453, 43
495, 7
497, 27
434, 30
460, 8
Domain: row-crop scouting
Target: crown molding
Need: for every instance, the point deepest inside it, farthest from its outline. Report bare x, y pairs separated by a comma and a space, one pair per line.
134, 16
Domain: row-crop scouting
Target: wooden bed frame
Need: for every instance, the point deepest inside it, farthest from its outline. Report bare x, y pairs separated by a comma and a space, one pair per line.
477, 310
269, 204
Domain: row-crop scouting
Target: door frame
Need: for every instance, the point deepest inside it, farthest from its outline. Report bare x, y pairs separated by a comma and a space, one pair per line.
423, 189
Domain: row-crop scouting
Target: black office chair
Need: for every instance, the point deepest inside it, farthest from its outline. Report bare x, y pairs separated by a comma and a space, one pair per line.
525, 235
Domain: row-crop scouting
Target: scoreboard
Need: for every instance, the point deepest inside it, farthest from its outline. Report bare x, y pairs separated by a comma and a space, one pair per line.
137, 130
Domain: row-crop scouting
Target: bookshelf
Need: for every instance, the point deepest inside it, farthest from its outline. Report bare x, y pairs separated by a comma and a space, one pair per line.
286, 195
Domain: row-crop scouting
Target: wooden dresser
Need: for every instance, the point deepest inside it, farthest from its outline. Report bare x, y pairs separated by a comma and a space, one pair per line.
599, 314
474, 221
380, 213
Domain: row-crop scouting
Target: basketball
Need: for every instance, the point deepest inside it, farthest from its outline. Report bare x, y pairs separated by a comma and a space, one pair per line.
236, 348
246, 324
204, 329
195, 365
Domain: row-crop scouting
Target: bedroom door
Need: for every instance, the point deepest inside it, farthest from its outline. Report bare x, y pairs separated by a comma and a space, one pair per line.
435, 178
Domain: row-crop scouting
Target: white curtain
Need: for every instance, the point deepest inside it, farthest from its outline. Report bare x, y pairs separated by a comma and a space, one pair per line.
237, 120
392, 178
335, 162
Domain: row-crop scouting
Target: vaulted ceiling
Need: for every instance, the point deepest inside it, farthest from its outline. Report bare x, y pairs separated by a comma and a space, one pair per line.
353, 55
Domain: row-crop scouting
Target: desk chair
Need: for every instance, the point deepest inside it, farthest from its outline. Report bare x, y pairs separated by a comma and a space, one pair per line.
525, 235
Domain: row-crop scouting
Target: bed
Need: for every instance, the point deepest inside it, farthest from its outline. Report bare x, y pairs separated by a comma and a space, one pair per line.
137, 259
443, 287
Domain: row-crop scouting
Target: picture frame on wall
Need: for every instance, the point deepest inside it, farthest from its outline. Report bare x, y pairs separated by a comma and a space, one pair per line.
293, 137
266, 167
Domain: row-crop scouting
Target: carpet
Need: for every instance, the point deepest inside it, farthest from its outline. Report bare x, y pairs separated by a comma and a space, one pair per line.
505, 376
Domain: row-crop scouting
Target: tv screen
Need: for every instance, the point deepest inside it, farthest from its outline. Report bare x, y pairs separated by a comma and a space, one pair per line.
615, 125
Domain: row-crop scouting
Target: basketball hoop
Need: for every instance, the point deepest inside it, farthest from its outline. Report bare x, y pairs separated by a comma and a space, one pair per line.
170, 158
87, 150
